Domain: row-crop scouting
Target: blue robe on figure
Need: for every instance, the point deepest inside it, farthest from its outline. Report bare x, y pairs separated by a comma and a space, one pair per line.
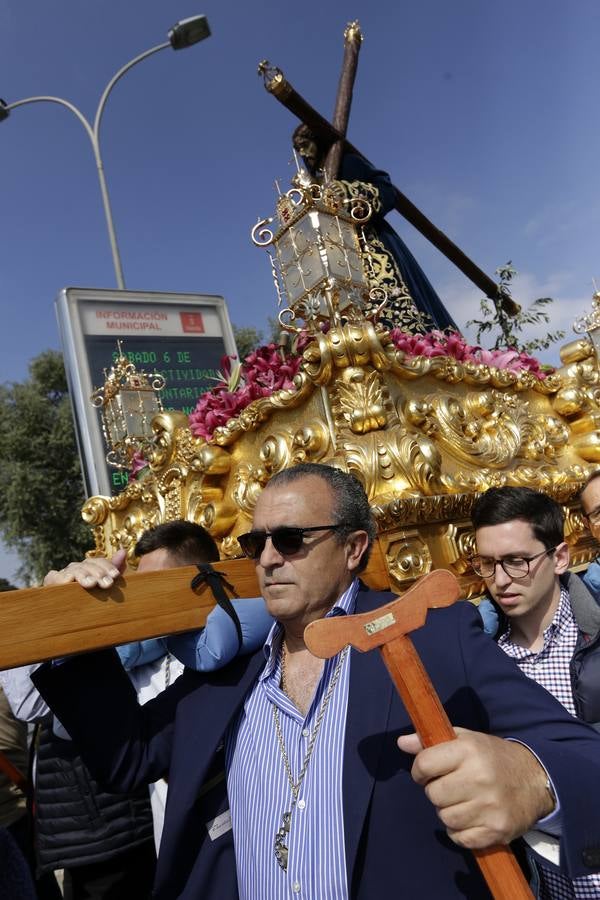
394, 266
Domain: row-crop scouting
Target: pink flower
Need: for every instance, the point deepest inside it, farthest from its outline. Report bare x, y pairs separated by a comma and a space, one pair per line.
453, 344
501, 359
262, 372
138, 462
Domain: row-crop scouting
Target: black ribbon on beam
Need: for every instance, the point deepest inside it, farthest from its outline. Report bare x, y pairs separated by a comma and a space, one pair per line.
217, 582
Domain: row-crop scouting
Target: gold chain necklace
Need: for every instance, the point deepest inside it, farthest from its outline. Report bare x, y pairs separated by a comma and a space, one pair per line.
280, 846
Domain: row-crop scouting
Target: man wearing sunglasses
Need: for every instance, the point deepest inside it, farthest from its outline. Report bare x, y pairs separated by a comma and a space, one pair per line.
285, 773
550, 622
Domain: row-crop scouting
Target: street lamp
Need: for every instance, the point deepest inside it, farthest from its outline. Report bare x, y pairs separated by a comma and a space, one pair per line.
183, 34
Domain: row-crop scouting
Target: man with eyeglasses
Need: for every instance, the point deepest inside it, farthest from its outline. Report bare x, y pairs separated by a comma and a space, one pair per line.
285, 773
549, 620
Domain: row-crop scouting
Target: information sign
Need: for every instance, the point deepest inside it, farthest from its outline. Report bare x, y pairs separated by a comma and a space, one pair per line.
182, 336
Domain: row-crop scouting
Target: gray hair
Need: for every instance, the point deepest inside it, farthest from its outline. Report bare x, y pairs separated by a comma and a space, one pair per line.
351, 505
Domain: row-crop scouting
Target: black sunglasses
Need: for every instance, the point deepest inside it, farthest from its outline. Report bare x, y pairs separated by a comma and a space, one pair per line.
287, 540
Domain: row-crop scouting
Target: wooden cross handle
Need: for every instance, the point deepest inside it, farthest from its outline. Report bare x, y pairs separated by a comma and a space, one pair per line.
498, 865
388, 628
326, 637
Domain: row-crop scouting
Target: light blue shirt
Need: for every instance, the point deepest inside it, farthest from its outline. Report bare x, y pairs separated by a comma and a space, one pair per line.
213, 646
259, 790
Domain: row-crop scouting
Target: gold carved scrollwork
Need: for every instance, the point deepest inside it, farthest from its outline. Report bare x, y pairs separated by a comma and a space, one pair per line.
133, 526
310, 442
586, 371
248, 482
439, 508
137, 507
456, 545
475, 480
544, 437
575, 351
251, 418
95, 511
360, 400
450, 370
400, 461
274, 452
212, 460
570, 400
167, 427
199, 493
218, 518
542, 478
353, 344
420, 413
588, 446
408, 557
484, 429
586, 424
229, 547
583, 401
171, 487
582, 546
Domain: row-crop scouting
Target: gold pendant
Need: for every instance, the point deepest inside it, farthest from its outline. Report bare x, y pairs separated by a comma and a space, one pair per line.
281, 850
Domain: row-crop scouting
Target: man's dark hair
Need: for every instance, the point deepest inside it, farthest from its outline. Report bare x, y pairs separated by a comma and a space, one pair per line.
351, 505
505, 504
185, 541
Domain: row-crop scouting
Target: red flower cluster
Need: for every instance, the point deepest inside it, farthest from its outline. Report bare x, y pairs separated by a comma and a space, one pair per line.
263, 371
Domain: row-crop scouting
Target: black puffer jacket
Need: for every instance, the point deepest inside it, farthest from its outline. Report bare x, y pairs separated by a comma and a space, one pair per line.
78, 823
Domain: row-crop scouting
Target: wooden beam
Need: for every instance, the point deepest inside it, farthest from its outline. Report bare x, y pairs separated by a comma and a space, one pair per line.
47, 622
352, 44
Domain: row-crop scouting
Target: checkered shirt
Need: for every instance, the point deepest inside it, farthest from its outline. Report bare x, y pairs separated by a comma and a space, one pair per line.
550, 668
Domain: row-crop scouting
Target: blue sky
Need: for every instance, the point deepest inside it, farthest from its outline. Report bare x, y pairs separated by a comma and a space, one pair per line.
486, 115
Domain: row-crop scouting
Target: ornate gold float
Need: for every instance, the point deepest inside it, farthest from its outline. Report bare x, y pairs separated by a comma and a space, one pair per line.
423, 434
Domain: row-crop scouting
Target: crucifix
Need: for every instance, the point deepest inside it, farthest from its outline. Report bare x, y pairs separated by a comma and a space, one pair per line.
333, 135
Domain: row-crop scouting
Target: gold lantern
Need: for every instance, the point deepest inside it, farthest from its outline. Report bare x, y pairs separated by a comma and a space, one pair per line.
590, 323
128, 401
317, 256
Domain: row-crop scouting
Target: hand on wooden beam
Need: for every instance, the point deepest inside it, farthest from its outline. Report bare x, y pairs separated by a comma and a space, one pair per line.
90, 573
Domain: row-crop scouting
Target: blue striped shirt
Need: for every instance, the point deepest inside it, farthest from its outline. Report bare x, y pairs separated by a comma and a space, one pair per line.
259, 791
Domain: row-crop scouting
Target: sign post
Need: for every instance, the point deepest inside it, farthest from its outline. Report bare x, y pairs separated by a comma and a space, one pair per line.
182, 336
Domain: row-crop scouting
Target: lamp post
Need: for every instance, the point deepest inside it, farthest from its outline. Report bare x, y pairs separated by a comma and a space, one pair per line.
183, 34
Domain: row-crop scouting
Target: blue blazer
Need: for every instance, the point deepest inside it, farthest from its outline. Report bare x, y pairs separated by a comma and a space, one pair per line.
392, 834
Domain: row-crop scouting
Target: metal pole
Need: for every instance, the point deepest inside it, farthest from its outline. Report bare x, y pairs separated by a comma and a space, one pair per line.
94, 135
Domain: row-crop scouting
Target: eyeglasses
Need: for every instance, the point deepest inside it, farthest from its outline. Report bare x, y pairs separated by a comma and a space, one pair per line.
286, 540
514, 566
593, 517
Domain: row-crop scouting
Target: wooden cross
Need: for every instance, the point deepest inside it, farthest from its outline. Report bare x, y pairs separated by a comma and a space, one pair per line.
334, 137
